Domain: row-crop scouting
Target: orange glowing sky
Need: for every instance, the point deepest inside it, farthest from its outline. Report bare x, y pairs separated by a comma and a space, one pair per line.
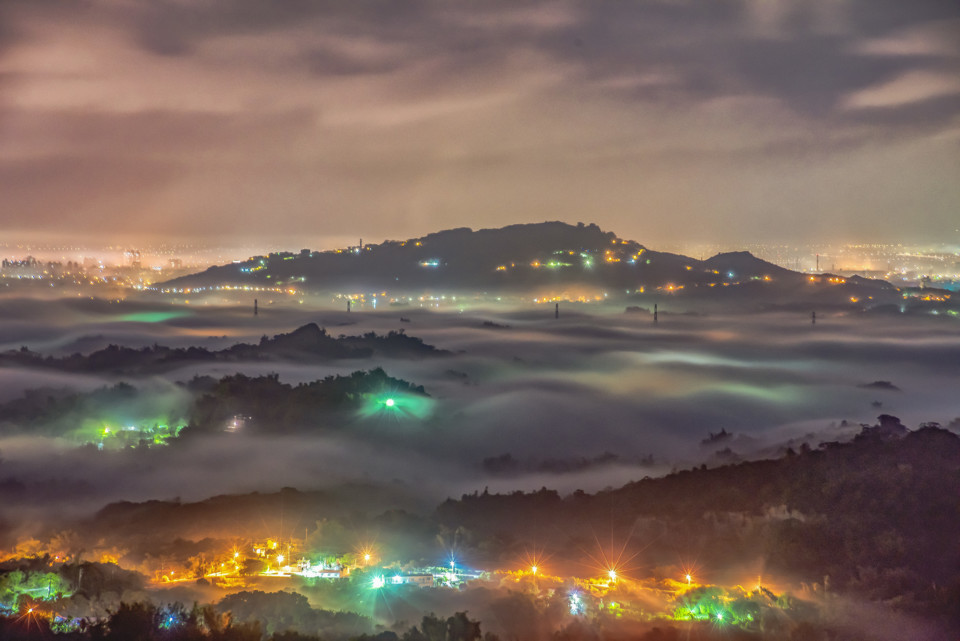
735, 120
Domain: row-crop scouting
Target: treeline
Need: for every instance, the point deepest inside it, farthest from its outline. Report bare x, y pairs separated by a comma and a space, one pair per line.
876, 517
274, 406
205, 404
52, 411
143, 621
245, 616
282, 616
308, 343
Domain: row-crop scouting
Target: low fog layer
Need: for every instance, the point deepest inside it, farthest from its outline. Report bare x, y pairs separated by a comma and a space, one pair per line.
525, 400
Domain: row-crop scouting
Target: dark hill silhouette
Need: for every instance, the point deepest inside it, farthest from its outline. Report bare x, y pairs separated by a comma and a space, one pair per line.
261, 404
745, 263
275, 407
307, 339
307, 343
551, 257
877, 515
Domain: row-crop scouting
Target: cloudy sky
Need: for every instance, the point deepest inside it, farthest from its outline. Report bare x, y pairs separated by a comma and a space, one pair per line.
299, 121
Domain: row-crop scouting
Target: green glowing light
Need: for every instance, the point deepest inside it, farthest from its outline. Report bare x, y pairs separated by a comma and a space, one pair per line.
713, 604
152, 317
114, 435
397, 406
38, 586
772, 394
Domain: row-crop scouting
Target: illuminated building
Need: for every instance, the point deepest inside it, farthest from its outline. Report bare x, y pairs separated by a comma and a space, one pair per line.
420, 579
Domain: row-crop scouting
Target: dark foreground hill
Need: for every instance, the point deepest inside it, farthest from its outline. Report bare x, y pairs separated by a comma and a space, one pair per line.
875, 519
550, 259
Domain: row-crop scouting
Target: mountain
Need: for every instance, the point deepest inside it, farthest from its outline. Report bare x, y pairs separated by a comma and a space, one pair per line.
551, 260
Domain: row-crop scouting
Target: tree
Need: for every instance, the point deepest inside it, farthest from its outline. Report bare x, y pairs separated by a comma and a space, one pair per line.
133, 622
456, 628
460, 628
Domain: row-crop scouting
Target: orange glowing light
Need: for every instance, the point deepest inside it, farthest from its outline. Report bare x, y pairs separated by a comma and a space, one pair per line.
366, 552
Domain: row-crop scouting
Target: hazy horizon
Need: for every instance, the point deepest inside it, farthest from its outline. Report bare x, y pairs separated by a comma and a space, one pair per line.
47, 246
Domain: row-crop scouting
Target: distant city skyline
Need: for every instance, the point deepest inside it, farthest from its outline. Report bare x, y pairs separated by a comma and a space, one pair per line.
283, 126
797, 255
895, 262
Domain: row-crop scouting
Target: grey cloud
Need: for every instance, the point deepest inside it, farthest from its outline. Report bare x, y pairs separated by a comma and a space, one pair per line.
812, 74
173, 28
920, 117
408, 116
710, 47
328, 63
877, 18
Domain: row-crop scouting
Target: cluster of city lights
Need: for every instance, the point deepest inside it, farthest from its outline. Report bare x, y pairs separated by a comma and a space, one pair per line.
610, 590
